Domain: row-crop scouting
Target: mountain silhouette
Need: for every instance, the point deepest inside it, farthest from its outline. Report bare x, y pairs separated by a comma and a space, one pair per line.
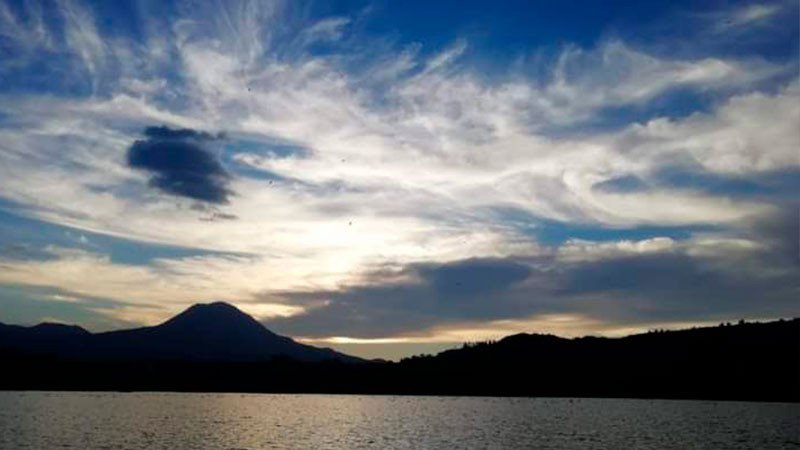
217, 348
45, 338
214, 332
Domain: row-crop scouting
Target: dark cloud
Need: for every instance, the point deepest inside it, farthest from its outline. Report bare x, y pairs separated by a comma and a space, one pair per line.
164, 132
651, 272
179, 163
724, 282
780, 233
474, 276
431, 294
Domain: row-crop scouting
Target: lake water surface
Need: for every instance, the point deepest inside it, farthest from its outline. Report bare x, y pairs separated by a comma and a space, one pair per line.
55, 420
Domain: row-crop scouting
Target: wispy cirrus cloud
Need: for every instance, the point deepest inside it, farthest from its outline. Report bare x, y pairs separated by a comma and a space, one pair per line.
749, 15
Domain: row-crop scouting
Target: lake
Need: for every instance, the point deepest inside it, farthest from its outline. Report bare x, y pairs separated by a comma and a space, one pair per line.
50, 420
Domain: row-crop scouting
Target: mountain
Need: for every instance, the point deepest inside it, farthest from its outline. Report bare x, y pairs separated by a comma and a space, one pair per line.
215, 332
217, 348
40, 339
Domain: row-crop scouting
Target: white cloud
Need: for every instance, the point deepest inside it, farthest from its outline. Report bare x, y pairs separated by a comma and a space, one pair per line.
576, 250
746, 16
447, 57
617, 75
329, 29
81, 34
408, 159
173, 284
27, 34
750, 132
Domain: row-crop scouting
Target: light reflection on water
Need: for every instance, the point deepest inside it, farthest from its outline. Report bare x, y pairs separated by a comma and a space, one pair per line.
45, 420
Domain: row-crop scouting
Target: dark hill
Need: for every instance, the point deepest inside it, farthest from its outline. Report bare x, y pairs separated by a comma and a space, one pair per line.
218, 348
744, 361
216, 332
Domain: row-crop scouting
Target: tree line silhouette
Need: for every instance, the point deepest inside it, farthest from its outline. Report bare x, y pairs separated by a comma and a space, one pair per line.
748, 361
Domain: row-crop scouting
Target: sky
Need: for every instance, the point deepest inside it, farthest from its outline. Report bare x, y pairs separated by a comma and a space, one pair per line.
391, 178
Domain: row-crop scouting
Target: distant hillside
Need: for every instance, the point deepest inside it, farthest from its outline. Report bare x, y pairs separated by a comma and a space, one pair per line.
218, 348
744, 361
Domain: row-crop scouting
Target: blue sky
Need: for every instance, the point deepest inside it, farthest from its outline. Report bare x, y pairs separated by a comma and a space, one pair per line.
394, 177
